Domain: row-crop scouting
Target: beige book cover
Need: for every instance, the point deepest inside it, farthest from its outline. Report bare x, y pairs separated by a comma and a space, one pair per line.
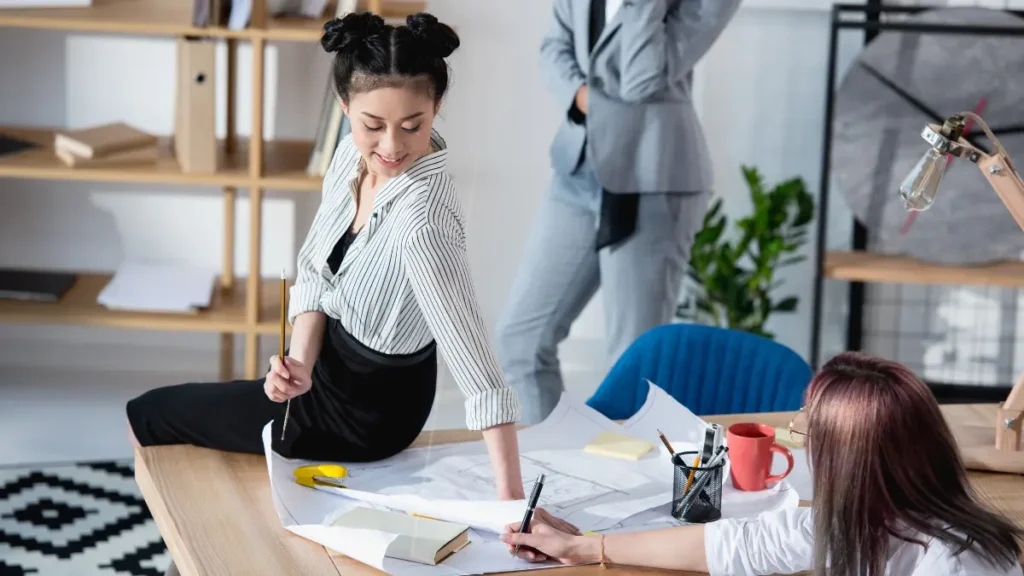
147, 154
618, 446
421, 540
102, 140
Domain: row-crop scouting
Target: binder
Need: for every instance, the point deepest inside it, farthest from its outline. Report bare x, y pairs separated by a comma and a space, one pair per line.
195, 137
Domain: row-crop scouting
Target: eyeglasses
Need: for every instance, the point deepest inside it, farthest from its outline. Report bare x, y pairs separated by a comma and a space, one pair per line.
798, 427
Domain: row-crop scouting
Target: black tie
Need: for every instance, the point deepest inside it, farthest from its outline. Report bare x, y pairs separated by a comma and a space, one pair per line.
618, 211
597, 18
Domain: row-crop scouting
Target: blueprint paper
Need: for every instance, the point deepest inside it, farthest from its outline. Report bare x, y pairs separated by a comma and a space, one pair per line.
588, 490
454, 482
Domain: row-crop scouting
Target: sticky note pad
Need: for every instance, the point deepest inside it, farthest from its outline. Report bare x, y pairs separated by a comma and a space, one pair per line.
618, 446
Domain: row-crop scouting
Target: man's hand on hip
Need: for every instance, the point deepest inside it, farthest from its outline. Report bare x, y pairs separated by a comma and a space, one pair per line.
581, 99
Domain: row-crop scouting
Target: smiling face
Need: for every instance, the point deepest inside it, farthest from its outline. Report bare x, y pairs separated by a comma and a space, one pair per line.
391, 127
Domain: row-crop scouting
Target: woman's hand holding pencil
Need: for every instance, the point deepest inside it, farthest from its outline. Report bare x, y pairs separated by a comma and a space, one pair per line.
287, 379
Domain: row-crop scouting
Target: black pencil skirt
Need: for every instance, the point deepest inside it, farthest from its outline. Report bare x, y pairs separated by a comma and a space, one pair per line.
363, 406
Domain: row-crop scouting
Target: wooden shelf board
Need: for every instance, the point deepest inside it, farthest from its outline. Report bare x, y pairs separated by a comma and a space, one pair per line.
870, 267
284, 165
157, 17
171, 18
79, 307
308, 29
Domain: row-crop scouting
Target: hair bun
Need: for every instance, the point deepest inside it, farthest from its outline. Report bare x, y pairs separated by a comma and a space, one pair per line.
342, 34
439, 38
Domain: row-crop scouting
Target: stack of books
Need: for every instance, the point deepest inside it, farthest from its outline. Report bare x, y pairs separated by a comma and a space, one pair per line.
105, 145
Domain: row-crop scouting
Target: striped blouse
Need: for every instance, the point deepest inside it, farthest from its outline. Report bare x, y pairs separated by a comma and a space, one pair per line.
405, 280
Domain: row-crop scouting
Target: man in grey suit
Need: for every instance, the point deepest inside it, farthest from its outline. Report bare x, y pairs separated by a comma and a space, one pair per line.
632, 177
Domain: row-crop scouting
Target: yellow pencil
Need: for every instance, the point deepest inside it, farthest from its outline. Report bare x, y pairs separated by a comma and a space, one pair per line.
284, 320
693, 470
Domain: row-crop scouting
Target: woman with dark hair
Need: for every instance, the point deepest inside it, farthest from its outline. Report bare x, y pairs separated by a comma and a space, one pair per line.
891, 496
383, 280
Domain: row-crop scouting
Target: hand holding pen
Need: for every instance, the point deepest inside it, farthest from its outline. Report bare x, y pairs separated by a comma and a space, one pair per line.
535, 515
531, 506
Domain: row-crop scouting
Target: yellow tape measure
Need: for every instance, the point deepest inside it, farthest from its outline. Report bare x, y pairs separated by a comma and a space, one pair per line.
305, 475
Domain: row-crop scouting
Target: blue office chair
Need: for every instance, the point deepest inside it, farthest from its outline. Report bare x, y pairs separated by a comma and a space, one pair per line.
709, 370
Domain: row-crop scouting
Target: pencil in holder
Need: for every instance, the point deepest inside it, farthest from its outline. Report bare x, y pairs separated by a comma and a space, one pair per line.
696, 500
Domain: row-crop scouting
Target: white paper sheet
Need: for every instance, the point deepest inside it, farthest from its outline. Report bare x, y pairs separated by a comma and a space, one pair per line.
454, 482
149, 287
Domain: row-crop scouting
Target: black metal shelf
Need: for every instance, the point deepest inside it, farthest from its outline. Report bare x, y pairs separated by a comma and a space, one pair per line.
870, 20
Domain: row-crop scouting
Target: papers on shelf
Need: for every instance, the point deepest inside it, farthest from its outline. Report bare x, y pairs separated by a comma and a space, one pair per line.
454, 482
145, 287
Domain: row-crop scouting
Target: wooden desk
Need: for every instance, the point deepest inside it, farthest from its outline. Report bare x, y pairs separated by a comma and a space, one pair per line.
216, 516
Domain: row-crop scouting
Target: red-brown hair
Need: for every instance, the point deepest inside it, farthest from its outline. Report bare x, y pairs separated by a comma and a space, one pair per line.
885, 464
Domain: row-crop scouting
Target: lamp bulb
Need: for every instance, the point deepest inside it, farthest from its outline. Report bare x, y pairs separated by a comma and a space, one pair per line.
919, 188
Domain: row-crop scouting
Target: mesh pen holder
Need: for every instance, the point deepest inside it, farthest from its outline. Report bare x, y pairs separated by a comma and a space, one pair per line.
703, 502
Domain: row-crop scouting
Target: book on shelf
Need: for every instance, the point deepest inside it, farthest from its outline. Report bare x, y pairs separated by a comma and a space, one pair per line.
207, 13
331, 129
418, 539
134, 157
34, 285
333, 125
102, 140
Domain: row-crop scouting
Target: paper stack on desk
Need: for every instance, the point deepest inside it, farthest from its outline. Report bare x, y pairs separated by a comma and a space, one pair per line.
454, 483
145, 287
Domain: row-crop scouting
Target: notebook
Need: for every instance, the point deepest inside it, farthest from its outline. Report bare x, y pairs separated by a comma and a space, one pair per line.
618, 446
146, 154
97, 141
35, 286
421, 540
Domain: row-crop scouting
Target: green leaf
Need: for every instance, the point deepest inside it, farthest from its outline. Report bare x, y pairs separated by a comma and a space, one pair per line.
785, 305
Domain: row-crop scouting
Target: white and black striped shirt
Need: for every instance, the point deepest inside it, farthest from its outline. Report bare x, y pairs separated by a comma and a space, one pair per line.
405, 280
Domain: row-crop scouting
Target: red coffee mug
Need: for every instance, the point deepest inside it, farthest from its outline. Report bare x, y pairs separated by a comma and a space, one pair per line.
750, 456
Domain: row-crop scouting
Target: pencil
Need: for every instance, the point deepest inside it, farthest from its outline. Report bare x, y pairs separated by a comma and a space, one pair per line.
284, 320
671, 452
693, 470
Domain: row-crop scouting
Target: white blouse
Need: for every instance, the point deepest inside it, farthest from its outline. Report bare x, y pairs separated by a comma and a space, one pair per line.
405, 280
782, 542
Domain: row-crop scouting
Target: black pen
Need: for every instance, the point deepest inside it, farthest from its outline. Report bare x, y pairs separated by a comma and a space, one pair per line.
530, 507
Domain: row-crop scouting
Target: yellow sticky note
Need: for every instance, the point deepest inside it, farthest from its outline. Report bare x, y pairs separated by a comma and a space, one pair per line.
618, 446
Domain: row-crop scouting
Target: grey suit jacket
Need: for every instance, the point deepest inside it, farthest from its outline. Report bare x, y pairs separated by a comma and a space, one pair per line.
641, 131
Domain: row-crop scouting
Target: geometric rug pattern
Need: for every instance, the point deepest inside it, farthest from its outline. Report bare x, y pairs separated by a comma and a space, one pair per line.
84, 519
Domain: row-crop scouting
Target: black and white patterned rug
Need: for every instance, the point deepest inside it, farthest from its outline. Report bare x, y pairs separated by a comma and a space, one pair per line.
77, 520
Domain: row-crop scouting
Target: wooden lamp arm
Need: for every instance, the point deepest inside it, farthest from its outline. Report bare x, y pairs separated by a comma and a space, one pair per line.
998, 170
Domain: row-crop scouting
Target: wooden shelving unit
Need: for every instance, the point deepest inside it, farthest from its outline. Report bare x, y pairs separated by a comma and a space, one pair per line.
174, 18
246, 306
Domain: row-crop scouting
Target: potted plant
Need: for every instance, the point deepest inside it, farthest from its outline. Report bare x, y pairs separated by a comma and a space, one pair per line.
733, 271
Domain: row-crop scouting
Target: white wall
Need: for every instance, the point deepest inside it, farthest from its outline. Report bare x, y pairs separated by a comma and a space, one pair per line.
498, 109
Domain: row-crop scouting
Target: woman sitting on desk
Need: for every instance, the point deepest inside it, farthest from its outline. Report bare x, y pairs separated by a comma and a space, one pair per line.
381, 274
890, 497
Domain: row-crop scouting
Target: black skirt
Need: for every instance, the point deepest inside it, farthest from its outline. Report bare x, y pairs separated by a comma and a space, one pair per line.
363, 406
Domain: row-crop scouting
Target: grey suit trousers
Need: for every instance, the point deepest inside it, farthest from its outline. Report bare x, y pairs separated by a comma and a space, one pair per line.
561, 271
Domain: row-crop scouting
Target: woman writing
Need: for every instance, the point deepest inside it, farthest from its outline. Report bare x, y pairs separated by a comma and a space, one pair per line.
383, 280
890, 497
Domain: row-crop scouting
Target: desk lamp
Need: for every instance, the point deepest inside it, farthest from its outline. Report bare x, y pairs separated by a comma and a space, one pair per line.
918, 192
